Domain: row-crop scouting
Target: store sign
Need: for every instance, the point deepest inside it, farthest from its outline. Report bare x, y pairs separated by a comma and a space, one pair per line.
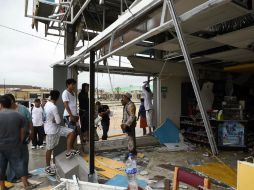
164, 89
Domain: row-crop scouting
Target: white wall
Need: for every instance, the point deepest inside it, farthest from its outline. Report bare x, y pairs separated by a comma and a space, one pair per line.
171, 103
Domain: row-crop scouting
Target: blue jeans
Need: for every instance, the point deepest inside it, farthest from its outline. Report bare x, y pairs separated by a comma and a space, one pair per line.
105, 128
71, 124
11, 174
13, 156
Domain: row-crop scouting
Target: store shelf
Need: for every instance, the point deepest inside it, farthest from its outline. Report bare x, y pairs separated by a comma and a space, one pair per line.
197, 140
193, 133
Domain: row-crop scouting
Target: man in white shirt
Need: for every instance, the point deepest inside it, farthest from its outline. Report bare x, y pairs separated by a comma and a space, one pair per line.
70, 104
37, 119
148, 96
54, 131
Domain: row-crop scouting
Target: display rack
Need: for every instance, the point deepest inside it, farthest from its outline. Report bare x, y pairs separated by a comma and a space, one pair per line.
229, 134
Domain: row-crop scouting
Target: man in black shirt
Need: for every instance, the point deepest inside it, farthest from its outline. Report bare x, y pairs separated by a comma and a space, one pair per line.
104, 112
84, 110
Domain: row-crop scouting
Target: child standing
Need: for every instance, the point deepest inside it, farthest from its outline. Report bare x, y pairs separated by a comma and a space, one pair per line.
142, 116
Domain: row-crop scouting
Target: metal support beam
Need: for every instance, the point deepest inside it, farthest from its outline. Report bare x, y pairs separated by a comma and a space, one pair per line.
69, 5
91, 116
163, 13
158, 85
192, 75
111, 42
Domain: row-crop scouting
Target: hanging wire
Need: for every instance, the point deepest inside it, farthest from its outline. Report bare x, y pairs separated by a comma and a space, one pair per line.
13, 29
162, 69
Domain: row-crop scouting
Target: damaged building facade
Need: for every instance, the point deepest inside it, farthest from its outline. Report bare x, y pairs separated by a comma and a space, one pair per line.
198, 53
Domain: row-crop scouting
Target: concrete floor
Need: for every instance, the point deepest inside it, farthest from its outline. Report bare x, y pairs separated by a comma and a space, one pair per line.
158, 162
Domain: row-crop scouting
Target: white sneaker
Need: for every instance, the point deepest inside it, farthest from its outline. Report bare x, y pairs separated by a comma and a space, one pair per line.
33, 147
41, 147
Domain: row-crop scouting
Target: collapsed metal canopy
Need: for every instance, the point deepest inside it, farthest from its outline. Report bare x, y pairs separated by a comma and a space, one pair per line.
201, 17
148, 26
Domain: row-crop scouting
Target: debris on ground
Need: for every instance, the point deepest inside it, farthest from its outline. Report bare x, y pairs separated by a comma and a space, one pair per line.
206, 154
183, 186
195, 162
167, 166
218, 171
143, 173
158, 185
173, 147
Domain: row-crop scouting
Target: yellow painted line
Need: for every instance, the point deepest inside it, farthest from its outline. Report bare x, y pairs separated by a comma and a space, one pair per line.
249, 67
107, 167
117, 135
8, 184
219, 171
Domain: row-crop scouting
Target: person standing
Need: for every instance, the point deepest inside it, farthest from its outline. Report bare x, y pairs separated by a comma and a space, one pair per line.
43, 103
54, 131
142, 116
129, 122
70, 105
104, 112
148, 96
28, 134
11, 142
84, 111
37, 118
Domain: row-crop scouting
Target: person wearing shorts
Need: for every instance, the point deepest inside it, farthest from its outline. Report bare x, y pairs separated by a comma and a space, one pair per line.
54, 131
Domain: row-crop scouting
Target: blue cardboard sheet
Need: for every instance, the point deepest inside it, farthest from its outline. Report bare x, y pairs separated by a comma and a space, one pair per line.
167, 132
122, 181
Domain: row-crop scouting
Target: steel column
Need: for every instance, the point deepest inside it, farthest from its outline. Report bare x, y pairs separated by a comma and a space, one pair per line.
91, 116
192, 75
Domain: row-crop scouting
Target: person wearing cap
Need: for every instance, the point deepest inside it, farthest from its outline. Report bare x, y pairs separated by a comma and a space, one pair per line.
129, 122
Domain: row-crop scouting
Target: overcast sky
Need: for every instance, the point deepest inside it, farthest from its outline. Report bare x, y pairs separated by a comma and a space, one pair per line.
25, 59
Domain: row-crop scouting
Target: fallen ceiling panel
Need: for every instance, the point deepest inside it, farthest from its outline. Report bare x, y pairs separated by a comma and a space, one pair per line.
131, 50
213, 16
148, 65
235, 55
114, 70
240, 38
195, 44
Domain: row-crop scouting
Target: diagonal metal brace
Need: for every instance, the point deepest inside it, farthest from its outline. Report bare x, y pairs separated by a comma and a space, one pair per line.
192, 75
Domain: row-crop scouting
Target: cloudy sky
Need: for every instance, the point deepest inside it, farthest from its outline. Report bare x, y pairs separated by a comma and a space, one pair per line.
25, 59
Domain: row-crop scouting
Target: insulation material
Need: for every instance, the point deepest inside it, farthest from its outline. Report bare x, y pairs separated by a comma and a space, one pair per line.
218, 171
107, 167
245, 176
233, 24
